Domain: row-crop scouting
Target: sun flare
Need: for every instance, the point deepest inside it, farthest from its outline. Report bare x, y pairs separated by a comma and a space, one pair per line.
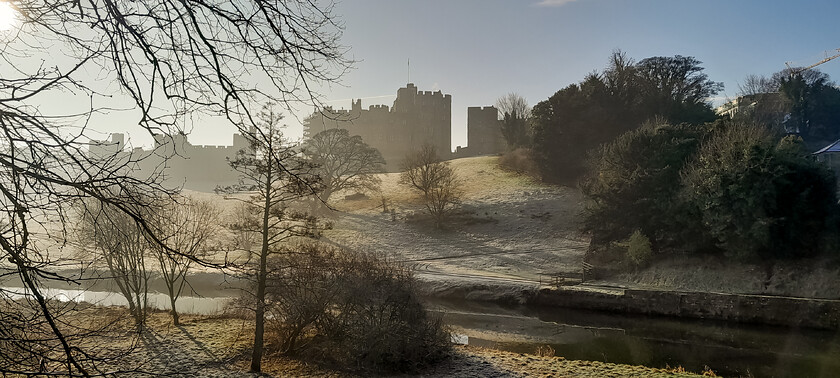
7, 16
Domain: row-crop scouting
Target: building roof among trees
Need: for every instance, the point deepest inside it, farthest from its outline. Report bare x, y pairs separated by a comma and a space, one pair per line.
833, 147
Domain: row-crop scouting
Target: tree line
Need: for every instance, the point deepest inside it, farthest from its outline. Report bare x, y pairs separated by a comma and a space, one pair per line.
664, 173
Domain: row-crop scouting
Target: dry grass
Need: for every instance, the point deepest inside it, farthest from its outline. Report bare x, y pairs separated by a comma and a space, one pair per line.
482, 178
218, 347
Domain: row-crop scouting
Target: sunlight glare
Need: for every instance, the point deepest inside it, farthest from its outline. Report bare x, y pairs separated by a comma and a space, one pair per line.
7, 16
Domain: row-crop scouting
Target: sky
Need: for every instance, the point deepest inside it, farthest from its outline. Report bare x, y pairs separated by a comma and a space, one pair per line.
479, 50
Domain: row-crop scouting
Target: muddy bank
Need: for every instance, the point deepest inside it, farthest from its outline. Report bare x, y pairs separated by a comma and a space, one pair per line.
476, 289
211, 284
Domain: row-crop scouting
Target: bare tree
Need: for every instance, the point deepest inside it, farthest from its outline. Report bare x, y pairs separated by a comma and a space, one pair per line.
124, 248
186, 226
168, 60
343, 162
757, 84
514, 113
761, 101
444, 197
421, 168
424, 171
274, 174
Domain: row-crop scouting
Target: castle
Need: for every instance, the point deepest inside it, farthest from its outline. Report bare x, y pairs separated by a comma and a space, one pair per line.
416, 117
200, 168
484, 133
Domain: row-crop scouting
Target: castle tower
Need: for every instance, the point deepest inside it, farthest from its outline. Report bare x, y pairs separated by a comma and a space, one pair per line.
415, 118
484, 132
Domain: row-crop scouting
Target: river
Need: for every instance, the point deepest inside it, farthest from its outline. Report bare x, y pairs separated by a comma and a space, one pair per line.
729, 349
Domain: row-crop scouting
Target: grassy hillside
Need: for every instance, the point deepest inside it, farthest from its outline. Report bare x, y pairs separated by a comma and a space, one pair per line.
510, 227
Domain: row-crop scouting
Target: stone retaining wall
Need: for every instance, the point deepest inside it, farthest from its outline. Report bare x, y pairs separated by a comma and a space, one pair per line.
788, 311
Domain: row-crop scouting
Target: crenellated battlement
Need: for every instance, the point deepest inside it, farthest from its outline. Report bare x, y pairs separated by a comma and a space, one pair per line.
212, 148
415, 117
196, 167
484, 134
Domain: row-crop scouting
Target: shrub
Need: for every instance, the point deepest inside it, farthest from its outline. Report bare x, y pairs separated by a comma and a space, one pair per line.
519, 161
757, 197
638, 248
634, 182
353, 309
726, 186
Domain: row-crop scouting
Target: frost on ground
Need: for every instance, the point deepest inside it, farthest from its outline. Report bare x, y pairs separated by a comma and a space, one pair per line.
510, 228
217, 347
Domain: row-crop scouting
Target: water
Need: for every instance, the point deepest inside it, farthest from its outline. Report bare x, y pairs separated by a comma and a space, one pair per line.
729, 349
158, 301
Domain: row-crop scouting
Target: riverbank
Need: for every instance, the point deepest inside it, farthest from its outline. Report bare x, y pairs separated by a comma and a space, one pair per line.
218, 347
744, 308
759, 309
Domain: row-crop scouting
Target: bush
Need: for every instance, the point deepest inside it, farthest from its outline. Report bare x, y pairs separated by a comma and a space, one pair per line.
729, 187
634, 182
638, 248
353, 309
760, 198
519, 161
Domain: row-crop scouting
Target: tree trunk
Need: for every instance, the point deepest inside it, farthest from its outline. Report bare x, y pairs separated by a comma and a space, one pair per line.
175, 319
259, 327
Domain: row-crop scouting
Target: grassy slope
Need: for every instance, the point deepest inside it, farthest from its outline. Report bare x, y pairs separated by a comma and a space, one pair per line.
513, 227
532, 231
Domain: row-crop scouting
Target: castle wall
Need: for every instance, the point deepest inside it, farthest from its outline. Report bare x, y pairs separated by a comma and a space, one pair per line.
199, 168
416, 117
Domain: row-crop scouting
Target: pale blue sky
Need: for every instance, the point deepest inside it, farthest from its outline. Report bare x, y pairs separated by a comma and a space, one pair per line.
478, 50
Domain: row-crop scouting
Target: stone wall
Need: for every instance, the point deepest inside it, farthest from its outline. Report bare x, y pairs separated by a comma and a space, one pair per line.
416, 117
787, 311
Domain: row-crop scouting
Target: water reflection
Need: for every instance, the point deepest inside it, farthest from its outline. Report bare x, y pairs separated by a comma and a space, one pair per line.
159, 301
730, 349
